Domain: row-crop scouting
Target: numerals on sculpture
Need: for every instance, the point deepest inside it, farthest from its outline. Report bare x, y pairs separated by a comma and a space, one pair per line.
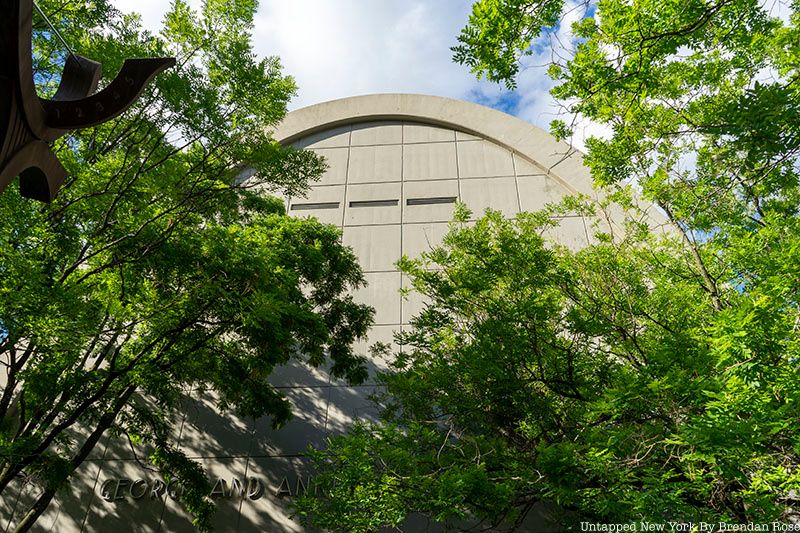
28, 123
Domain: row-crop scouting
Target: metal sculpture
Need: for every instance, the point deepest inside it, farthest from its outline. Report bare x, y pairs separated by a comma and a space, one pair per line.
28, 123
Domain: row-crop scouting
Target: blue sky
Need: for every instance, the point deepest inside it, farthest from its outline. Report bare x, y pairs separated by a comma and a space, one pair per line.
341, 48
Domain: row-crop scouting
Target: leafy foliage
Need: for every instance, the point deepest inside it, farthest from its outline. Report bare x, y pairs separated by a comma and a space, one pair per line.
499, 31
604, 381
158, 270
650, 376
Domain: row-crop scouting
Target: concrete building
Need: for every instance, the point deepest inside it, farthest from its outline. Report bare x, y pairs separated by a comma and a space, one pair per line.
397, 165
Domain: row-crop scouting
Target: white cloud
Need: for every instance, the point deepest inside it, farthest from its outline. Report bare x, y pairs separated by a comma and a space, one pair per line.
152, 11
352, 47
341, 48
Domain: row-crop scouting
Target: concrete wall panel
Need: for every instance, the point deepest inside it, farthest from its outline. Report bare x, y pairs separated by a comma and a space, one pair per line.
433, 161
499, 194
337, 166
419, 238
383, 294
382, 334
483, 159
221, 472
316, 195
418, 192
570, 232
307, 426
69, 509
298, 374
332, 138
536, 191
422, 133
367, 133
413, 303
372, 164
284, 478
206, 433
357, 213
124, 513
524, 167
111, 447
350, 404
8, 503
377, 247
17, 499
463, 136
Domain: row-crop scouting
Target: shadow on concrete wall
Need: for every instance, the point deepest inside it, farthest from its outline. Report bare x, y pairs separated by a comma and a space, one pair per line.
227, 446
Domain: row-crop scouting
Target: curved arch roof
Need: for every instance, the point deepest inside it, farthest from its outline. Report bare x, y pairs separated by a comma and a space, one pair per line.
556, 159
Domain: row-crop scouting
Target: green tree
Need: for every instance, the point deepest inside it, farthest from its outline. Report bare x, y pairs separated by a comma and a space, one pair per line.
158, 269
648, 376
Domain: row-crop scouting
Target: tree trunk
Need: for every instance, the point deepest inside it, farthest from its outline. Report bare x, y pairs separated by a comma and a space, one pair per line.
47, 496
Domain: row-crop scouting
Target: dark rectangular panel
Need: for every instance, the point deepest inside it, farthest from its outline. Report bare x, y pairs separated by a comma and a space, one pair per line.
432, 200
315, 205
373, 203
